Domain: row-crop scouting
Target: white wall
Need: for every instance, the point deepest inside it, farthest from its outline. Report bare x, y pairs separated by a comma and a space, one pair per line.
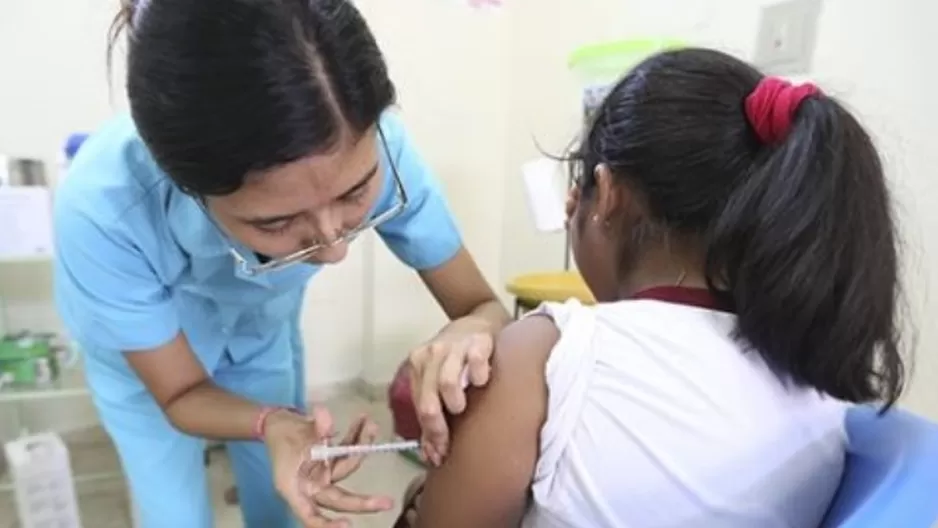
53, 81
475, 87
449, 70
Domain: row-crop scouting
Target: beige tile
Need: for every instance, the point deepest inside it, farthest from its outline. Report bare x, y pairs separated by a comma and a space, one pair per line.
104, 504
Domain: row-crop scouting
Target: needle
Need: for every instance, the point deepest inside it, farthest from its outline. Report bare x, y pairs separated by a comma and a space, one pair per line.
326, 452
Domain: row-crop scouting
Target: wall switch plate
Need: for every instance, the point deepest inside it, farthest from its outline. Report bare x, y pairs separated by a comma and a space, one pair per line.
786, 38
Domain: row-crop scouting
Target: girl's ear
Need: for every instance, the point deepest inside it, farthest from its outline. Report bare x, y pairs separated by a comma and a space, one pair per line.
608, 200
614, 198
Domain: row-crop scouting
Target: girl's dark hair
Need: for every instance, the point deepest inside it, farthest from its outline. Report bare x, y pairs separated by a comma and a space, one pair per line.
799, 236
219, 88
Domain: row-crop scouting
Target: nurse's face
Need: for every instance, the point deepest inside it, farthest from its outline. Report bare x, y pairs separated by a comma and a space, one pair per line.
309, 202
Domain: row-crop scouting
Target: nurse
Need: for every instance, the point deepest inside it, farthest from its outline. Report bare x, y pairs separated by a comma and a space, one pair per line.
259, 146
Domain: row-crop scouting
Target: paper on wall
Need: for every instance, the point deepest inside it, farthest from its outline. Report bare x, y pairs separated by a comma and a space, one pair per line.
25, 222
543, 194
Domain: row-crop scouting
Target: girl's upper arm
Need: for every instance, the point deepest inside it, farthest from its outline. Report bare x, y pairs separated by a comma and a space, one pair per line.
486, 477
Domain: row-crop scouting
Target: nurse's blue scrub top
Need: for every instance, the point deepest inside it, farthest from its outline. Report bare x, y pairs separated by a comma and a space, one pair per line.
137, 261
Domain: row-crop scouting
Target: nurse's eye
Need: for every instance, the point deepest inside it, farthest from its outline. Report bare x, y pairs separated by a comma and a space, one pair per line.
274, 228
355, 196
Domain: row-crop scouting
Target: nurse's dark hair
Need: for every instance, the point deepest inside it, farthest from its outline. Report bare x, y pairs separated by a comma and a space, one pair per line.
799, 236
221, 88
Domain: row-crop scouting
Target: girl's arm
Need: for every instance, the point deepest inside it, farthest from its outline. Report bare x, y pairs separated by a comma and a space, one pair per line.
486, 477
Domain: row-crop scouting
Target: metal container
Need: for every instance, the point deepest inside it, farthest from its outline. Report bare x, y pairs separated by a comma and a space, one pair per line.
23, 172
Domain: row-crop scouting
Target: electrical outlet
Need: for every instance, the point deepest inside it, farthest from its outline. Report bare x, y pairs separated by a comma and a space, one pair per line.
786, 39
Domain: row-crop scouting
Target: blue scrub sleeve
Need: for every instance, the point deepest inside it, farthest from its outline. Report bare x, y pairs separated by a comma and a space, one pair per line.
424, 236
108, 295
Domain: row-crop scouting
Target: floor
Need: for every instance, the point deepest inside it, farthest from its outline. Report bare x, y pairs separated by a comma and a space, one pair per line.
104, 504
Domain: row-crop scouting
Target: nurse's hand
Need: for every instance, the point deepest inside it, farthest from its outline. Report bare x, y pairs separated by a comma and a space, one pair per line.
441, 371
310, 487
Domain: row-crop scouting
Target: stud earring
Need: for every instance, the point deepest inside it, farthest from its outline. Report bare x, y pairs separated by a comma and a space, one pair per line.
595, 219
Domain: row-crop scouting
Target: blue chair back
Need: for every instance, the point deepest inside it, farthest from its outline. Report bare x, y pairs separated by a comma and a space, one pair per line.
891, 473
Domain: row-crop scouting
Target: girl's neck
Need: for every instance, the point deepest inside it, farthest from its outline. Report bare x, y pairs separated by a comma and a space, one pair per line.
664, 269
683, 278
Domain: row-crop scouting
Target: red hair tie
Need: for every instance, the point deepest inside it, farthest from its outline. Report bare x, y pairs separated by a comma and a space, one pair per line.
771, 107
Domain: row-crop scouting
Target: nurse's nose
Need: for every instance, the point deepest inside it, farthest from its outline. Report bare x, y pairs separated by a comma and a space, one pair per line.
326, 228
331, 254
330, 231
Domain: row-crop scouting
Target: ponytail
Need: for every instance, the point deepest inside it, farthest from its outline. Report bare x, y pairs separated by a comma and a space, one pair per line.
805, 249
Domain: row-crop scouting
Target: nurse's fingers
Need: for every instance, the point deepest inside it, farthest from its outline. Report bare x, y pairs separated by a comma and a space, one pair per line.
450, 384
323, 424
313, 476
478, 359
429, 407
307, 512
417, 362
343, 501
317, 520
316, 474
362, 431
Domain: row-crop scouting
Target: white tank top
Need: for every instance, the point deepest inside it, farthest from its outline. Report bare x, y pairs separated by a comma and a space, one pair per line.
658, 418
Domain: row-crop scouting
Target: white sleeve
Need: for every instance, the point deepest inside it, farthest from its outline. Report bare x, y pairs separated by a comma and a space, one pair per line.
568, 375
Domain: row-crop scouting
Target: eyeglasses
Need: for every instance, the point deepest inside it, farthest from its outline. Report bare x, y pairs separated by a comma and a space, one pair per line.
252, 268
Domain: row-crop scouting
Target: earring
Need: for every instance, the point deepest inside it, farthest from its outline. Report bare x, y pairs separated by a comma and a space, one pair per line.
595, 219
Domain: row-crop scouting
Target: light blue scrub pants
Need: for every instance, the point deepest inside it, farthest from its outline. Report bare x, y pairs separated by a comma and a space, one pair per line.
165, 468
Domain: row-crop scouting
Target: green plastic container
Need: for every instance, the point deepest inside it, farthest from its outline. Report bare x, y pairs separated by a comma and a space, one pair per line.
598, 66
26, 361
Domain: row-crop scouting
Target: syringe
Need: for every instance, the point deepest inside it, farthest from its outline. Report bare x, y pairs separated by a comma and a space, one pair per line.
325, 452
330, 452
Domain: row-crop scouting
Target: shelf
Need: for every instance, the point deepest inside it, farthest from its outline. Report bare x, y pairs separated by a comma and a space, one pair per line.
31, 259
93, 459
70, 383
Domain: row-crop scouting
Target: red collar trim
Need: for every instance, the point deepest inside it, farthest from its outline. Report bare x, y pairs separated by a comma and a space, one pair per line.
696, 297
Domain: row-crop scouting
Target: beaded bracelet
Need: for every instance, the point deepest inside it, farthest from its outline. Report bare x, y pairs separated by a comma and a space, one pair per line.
261, 421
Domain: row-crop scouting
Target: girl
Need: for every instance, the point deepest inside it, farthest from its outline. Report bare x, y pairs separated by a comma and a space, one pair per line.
737, 232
